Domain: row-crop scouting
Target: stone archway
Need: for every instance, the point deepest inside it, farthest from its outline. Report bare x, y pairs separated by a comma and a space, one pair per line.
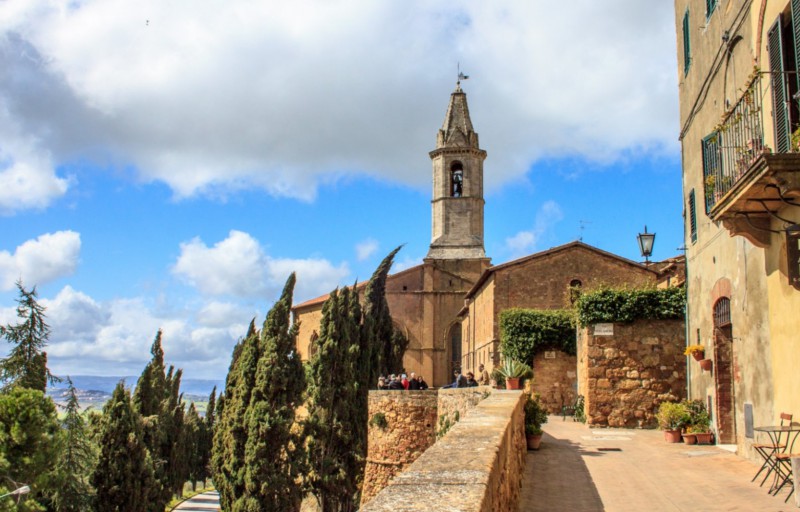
723, 372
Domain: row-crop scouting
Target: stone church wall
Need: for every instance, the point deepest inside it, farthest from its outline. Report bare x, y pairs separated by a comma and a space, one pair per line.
626, 375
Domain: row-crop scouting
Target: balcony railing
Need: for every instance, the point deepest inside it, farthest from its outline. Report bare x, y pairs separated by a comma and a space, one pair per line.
737, 142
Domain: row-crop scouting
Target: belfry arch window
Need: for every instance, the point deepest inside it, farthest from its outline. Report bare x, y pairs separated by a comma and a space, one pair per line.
456, 179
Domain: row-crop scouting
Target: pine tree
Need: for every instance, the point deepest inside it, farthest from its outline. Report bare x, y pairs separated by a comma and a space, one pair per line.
230, 436
124, 474
378, 351
26, 364
76, 461
274, 457
28, 445
335, 456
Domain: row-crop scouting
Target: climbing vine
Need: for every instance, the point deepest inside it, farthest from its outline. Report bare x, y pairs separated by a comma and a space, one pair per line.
524, 332
625, 306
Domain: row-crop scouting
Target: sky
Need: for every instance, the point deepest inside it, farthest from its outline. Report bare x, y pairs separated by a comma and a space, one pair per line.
167, 164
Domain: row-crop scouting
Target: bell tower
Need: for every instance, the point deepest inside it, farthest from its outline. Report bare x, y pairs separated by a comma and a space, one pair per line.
457, 203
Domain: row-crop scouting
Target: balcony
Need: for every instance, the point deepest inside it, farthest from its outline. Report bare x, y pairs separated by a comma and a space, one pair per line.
746, 182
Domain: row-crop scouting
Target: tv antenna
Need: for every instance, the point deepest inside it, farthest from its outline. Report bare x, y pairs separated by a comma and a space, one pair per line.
582, 226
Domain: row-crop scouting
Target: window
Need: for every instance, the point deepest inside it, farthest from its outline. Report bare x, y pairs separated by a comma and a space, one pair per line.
710, 6
692, 217
712, 168
783, 66
686, 48
456, 179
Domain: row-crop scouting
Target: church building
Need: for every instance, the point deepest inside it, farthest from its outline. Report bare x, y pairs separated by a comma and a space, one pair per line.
427, 302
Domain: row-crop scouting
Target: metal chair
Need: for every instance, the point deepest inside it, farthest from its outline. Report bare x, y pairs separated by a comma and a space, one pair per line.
769, 451
784, 470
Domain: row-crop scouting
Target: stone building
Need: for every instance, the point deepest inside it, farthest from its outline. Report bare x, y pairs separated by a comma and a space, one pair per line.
546, 280
738, 82
427, 302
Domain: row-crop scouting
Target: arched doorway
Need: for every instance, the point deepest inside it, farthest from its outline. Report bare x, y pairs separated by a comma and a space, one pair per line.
454, 340
723, 372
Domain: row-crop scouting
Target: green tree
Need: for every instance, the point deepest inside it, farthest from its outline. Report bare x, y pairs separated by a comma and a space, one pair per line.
378, 352
123, 477
230, 435
206, 441
76, 460
26, 364
335, 412
192, 444
274, 456
28, 445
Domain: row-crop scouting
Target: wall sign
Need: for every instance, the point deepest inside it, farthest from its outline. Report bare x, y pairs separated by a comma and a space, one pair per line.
550, 354
603, 329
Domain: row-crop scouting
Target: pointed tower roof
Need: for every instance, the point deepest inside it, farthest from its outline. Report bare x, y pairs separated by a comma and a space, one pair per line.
457, 128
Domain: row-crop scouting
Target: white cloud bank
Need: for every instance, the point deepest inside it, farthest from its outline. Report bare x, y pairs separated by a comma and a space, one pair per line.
366, 248
212, 97
238, 266
526, 242
45, 259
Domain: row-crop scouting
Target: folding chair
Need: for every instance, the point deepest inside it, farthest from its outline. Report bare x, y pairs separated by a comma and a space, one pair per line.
784, 469
769, 451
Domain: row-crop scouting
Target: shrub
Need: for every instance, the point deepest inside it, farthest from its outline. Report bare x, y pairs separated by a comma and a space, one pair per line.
524, 332
625, 306
512, 369
535, 415
673, 415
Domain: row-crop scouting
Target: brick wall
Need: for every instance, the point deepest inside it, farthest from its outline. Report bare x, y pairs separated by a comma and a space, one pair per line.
625, 376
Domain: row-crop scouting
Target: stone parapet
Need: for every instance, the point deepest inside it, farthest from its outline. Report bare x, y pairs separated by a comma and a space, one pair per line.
476, 467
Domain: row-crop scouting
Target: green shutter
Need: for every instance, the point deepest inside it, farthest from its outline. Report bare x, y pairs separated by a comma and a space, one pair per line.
710, 6
796, 37
687, 54
692, 217
779, 92
712, 166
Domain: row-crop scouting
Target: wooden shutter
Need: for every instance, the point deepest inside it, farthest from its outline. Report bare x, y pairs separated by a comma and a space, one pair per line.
692, 217
779, 92
712, 166
686, 49
796, 38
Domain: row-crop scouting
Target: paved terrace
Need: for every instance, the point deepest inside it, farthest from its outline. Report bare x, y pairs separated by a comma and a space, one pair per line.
572, 472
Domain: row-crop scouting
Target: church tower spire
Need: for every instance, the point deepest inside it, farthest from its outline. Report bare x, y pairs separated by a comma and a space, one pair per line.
457, 203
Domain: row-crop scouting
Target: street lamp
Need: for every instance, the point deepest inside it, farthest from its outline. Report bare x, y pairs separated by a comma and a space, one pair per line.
646, 244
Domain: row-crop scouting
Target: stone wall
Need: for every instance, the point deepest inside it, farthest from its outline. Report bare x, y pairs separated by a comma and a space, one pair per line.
412, 420
624, 376
476, 467
555, 379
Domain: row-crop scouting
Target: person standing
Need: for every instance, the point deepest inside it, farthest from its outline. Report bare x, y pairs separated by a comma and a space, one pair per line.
413, 383
422, 384
484, 379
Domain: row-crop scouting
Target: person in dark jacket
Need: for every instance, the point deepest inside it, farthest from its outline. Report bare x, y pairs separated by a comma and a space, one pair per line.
471, 382
413, 383
459, 382
395, 384
422, 384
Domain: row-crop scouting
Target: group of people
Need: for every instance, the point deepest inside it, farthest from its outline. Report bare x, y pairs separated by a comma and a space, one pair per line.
412, 382
468, 380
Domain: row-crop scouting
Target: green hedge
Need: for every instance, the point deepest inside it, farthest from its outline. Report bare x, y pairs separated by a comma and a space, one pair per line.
625, 306
524, 332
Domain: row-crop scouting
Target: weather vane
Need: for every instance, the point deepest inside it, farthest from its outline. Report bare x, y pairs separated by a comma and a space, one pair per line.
461, 76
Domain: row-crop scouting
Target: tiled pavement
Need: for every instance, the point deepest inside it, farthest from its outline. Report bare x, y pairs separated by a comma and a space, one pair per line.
206, 502
579, 469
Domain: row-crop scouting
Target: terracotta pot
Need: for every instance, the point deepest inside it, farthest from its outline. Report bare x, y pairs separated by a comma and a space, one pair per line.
706, 364
690, 438
534, 440
698, 356
706, 438
512, 383
672, 436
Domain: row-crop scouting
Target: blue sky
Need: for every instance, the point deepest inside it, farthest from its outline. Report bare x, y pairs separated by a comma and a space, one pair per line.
167, 165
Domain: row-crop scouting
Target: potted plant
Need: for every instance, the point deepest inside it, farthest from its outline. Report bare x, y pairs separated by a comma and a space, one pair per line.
696, 351
499, 380
535, 416
514, 371
672, 416
701, 427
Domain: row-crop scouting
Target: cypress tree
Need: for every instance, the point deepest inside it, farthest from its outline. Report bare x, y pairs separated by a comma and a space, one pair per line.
230, 436
26, 364
378, 352
124, 474
274, 456
334, 408
73, 491
206, 441
192, 445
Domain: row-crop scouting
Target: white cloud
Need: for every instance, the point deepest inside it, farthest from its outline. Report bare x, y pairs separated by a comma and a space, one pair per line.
212, 97
366, 248
114, 337
406, 263
525, 242
45, 259
238, 266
